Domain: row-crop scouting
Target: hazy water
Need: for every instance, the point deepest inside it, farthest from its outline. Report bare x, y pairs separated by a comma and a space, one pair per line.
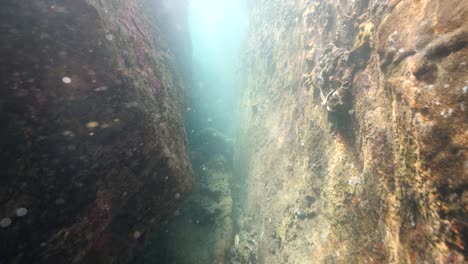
217, 29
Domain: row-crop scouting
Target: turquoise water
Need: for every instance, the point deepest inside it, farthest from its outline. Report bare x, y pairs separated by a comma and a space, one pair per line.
217, 29
203, 229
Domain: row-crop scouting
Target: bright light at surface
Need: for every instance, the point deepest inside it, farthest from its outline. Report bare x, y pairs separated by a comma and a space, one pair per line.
211, 18
217, 29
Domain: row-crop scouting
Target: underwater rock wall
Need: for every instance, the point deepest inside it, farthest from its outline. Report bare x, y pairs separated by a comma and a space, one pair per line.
354, 131
93, 150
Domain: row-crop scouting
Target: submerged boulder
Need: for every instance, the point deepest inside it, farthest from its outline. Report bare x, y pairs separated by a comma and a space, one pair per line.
93, 150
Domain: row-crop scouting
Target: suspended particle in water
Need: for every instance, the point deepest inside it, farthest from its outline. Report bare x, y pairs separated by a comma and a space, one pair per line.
92, 124
177, 195
136, 235
66, 80
68, 133
5, 222
101, 88
109, 37
20, 212
210, 119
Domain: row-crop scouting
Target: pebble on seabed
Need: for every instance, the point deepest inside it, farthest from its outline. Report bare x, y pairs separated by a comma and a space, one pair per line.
20, 212
5, 222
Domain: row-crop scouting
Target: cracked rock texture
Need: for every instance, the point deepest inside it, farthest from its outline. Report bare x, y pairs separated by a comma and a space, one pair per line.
93, 150
354, 142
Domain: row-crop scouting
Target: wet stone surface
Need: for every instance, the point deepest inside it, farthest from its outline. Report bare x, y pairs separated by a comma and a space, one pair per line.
83, 158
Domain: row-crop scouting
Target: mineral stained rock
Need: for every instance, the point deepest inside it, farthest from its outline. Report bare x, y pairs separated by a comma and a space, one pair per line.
355, 140
93, 150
